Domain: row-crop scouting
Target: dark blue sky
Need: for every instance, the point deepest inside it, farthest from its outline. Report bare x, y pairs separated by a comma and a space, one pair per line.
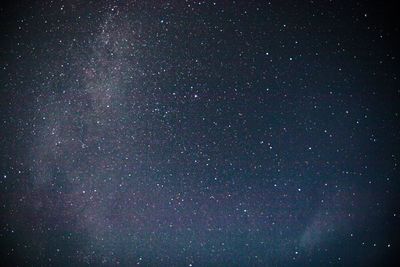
187, 133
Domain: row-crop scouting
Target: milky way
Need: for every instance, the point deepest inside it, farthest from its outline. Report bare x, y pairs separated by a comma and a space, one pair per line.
196, 133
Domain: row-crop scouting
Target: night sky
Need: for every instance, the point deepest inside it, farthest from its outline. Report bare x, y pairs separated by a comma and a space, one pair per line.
199, 133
